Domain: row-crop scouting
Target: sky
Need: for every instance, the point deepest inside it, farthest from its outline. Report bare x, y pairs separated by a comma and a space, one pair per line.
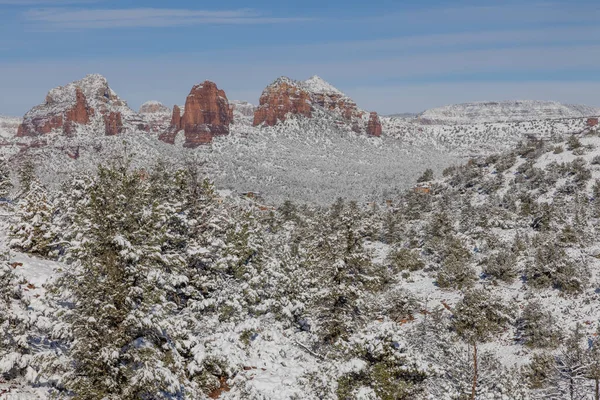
390, 56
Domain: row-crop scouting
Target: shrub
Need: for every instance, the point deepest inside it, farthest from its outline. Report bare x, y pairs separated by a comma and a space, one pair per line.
501, 266
552, 269
405, 259
573, 143
537, 327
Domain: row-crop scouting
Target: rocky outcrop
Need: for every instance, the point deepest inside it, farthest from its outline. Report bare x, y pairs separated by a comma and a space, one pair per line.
76, 105
113, 123
286, 96
374, 125
331, 99
591, 122
154, 117
154, 107
280, 98
242, 108
66, 119
168, 136
81, 112
207, 114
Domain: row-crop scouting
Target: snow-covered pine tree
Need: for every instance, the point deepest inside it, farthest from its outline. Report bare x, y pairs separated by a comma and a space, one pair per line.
13, 328
477, 317
345, 270
569, 380
32, 231
26, 175
73, 196
5, 182
593, 363
23, 336
122, 343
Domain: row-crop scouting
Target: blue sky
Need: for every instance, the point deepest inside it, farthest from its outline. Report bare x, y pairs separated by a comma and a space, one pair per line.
390, 56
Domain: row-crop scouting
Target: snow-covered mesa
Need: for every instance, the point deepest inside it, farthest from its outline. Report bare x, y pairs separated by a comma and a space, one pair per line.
505, 111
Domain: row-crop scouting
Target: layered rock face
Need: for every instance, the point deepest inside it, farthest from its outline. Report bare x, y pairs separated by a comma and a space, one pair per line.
77, 104
154, 107
36, 122
331, 99
374, 125
207, 114
286, 96
280, 98
113, 123
154, 117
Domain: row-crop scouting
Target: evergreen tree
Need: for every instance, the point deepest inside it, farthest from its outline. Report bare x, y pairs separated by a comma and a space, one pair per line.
26, 175
345, 270
427, 176
5, 182
121, 286
32, 232
477, 317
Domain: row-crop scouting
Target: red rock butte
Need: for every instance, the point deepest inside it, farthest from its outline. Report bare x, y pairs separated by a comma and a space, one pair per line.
285, 97
207, 114
79, 113
374, 125
280, 98
74, 105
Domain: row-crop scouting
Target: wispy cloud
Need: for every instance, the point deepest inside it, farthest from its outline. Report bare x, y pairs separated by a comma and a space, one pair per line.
494, 14
45, 2
145, 17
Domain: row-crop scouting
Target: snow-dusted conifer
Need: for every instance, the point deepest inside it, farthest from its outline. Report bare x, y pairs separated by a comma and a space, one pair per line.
5, 182
120, 287
32, 231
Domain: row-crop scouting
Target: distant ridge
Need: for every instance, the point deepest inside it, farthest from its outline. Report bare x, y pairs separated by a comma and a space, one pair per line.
505, 111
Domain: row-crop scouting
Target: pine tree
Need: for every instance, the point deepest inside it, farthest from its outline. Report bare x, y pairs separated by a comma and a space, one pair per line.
593, 363
5, 182
32, 232
26, 175
345, 271
477, 317
427, 176
14, 346
121, 290
570, 368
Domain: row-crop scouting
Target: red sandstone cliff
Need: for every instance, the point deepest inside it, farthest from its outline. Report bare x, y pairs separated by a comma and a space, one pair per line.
374, 125
207, 114
75, 105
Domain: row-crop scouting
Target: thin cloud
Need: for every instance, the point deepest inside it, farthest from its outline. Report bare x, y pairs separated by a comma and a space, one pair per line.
146, 17
45, 2
530, 13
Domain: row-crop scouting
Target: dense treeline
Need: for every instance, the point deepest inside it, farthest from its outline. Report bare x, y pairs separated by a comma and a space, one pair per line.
155, 262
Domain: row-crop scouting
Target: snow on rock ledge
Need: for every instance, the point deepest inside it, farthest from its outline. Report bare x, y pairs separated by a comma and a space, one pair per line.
504, 111
285, 97
77, 104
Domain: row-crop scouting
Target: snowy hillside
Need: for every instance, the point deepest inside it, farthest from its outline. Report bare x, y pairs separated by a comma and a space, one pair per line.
8, 126
390, 300
308, 160
504, 111
312, 156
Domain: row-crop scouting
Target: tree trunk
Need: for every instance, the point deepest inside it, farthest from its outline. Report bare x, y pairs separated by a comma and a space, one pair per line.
474, 389
571, 386
597, 388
